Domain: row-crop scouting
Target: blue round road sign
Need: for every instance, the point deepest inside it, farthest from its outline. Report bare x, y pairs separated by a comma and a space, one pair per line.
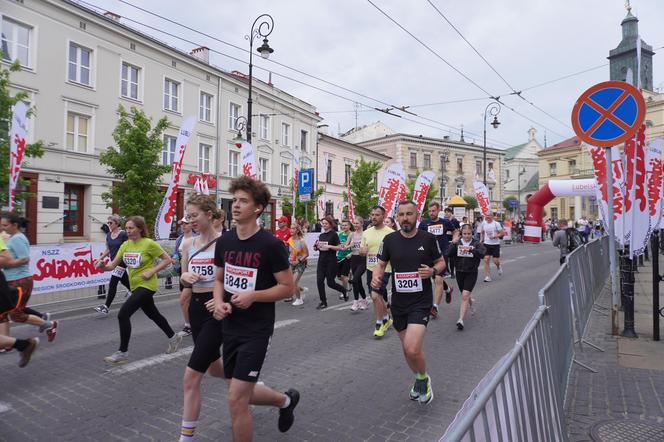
608, 113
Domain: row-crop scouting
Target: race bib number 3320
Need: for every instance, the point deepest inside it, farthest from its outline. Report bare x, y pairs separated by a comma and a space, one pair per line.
239, 279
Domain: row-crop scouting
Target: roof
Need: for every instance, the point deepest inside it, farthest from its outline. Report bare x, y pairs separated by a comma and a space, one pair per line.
456, 200
512, 152
421, 138
570, 142
357, 147
532, 184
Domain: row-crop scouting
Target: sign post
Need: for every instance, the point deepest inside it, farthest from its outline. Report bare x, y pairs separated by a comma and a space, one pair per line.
607, 114
305, 184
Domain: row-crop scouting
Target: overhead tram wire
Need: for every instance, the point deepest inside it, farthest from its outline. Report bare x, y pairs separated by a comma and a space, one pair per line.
441, 125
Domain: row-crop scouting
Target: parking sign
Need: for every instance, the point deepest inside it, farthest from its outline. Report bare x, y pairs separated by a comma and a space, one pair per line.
305, 184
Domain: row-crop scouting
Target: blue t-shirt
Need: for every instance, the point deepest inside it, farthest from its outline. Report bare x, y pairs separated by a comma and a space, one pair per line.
19, 247
438, 228
114, 244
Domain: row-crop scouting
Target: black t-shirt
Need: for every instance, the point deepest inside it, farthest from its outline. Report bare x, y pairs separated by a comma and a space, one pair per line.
406, 256
439, 229
332, 239
250, 265
114, 244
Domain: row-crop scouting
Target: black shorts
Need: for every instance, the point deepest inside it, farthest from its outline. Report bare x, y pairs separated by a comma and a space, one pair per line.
343, 267
492, 250
206, 332
466, 280
415, 314
383, 285
244, 356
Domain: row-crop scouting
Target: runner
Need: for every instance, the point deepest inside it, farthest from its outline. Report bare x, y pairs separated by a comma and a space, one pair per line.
561, 240
358, 265
438, 227
185, 294
343, 257
283, 232
490, 233
198, 276
16, 270
138, 253
114, 239
298, 252
469, 253
372, 238
25, 347
415, 258
219, 221
450, 260
252, 274
327, 245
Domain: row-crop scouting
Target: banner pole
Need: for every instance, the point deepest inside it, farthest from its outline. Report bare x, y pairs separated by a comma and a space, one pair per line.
615, 297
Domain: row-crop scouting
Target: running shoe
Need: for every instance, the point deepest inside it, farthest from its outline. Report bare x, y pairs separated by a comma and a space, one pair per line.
102, 311
186, 331
386, 325
426, 396
434, 312
341, 296
448, 295
346, 296
298, 301
52, 331
460, 324
321, 306
355, 306
500, 271
419, 387
487, 279
174, 343
286, 416
4, 351
379, 332
363, 304
46, 316
288, 300
119, 357
27, 353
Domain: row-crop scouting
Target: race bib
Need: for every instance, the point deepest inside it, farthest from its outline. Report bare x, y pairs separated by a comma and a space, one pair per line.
204, 267
322, 244
132, 259
408, 282
118, 272
465, 251
436, 229
356, 245
372, 259
239, 279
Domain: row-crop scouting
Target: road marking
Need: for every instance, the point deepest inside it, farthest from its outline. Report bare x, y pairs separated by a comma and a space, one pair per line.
4, 407
158, 359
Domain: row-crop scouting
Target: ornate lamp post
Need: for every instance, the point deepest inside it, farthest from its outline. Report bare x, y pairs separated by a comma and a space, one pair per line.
240, 124
492, 109
445, 159
264, 29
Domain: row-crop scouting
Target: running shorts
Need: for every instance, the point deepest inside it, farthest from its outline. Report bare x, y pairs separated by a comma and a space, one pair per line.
466, 280
492, 250
206, 333
417, 314
244, 356
383, 286
343, 267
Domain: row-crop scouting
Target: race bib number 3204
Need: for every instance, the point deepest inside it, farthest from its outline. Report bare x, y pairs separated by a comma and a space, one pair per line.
408, 282
239, 279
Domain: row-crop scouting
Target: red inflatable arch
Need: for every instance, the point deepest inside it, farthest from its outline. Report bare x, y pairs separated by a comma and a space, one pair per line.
554, 188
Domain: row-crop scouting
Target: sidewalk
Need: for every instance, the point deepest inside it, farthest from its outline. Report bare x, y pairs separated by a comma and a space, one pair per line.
624, 400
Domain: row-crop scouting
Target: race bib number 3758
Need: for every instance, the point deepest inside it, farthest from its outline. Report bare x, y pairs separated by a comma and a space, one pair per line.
204, 267
239, 279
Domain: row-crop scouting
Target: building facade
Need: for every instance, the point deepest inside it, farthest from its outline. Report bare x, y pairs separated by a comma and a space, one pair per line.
522, 170
79, 65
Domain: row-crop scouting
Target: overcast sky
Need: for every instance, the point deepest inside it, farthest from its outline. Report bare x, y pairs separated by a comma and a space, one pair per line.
352, 44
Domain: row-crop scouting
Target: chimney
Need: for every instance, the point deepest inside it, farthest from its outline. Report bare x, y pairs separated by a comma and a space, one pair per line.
202, 53
112, 15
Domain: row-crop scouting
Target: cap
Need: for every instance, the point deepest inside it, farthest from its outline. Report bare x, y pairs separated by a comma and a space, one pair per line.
283, 219
184, 220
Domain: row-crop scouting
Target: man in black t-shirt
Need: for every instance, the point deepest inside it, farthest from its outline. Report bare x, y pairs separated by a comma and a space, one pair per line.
252, 273
415, 258
454, 223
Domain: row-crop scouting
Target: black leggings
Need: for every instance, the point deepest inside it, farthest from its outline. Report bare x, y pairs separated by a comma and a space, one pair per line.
206, 332
140, 298
358, 265
113, 287
327, 269
450, 262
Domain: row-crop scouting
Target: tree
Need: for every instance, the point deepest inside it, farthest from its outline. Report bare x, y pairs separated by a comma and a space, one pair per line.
34, 150
431, 194
302, 207
135, 165
471, 201
364, 187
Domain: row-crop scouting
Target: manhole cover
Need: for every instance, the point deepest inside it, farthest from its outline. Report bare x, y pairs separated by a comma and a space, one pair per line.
626, 431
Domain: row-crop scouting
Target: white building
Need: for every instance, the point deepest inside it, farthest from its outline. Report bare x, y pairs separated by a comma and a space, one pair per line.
521, 169
79, 65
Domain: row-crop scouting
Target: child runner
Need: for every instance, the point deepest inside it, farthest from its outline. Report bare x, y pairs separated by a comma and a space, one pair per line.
469, 253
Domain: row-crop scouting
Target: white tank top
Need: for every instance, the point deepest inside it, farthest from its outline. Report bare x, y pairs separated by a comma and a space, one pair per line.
203, 264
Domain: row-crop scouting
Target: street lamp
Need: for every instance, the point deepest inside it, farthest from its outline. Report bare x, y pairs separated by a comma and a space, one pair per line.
240, 124
493, 109
445, 159
264, 29
521, 172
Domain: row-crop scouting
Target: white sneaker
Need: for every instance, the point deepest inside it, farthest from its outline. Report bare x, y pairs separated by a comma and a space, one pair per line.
500, 270
355, 306
487, 279
119, 357
102, 311
298, 301
174, 343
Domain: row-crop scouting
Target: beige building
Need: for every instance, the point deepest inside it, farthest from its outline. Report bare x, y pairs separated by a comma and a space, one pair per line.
654, 114
78, 66
336, 161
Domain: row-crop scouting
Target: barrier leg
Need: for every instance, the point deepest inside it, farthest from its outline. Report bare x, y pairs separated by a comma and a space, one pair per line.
627, 267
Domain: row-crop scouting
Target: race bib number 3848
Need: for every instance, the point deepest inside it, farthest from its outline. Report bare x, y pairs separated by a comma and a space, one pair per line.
239, 279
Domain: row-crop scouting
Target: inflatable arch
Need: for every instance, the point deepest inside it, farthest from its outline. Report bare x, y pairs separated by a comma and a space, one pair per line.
552, 189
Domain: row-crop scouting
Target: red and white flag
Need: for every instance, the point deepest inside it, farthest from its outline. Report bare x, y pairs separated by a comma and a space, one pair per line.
482, 197
636, 196
421, 189
166, 212
249, 165
17, 136
351, 211
391, 188
654, 181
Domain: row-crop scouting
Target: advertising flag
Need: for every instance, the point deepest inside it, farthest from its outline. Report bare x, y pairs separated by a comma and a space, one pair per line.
421, 189
391, 188
17, 136
482, 197
654, 181
249, 165
351, 211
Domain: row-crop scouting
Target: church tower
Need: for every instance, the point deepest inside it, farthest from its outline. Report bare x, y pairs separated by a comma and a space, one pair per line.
623, 57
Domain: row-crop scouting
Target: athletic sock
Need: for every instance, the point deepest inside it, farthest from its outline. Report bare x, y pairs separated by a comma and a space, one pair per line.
421, 376
187, 431
386, 318
287, 403
21, 344
435, 305
378, 324
186, 324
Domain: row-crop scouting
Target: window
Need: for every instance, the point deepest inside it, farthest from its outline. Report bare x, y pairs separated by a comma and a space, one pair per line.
554, 213
168, 152
553, 169
285, 134
459, 190
265, 127
328, 170
79, 64
233, 163
490, 193
304, 137
233, 115
460, 165
204, 157
413, 159
205, 107
427, 161
72, 220
490, 165
478, 168
507, 173
77, 132
16, 42
264, 166
285, 174
347, 174
329, 208
571, 164
129, 83
171, 95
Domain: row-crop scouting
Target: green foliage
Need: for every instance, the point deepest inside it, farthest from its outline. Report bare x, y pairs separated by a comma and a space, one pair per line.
363, 186
34, 150
302, 208
471, 201
135, 164
431, 195
506, 203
